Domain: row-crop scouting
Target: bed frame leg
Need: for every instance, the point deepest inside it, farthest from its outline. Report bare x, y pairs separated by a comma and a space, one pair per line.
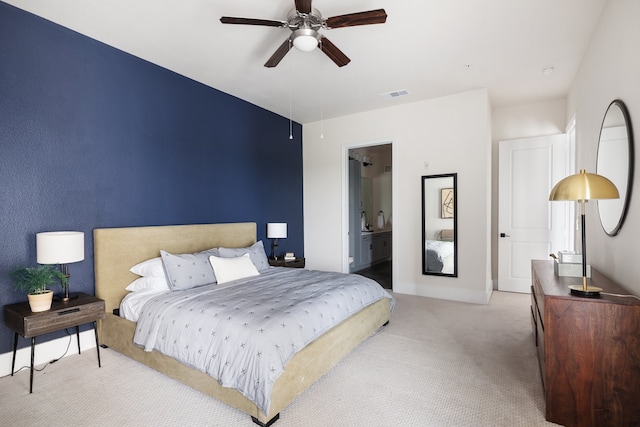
268, 423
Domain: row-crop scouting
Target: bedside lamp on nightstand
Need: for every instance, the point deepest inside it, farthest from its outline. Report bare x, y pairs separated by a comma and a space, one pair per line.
60, 247
276, 230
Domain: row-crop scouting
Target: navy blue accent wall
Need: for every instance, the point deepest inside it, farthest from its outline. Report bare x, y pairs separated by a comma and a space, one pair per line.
92, 137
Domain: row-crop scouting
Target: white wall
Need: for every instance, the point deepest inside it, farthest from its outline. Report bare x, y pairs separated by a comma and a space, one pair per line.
529, 120
610, 70
452, 134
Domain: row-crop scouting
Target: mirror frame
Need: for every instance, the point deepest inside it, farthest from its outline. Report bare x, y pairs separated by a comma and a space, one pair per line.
630, 151
425, 209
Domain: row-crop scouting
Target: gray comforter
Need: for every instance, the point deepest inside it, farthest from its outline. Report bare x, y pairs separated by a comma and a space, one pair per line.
244, 332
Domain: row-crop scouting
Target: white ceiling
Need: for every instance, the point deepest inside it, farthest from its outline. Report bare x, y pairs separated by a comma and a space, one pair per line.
430, 48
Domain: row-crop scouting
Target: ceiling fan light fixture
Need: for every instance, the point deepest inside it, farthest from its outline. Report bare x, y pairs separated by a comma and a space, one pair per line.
305, 39
305, 22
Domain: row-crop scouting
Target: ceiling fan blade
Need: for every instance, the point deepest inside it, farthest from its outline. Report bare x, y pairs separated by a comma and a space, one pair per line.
378, 16
278, 54
333, 52
303, 6
251, 21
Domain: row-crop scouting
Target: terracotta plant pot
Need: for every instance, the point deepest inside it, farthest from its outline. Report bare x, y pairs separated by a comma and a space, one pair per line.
40, 302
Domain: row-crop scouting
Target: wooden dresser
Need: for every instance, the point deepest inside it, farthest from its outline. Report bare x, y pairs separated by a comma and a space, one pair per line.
588, 350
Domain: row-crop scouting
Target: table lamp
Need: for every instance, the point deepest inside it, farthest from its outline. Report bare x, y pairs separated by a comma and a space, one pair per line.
583, 187
276, 230
60, 247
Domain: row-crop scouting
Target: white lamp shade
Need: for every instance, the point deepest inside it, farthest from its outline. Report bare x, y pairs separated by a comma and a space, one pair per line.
277, 230
59, 247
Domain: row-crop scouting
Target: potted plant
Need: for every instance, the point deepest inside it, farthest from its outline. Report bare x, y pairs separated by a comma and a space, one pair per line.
35, 281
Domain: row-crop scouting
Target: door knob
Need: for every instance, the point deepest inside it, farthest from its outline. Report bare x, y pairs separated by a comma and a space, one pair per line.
504, 235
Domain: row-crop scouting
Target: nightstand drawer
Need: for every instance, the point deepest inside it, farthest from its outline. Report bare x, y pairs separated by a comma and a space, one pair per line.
77, 311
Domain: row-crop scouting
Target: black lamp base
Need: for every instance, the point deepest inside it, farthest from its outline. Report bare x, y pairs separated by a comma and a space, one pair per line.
591, 292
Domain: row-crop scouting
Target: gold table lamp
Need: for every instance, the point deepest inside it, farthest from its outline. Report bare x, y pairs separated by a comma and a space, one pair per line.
583, 187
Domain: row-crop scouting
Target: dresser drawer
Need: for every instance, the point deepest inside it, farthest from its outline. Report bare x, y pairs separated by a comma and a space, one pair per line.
537, 306
537, 294
541, 354
534, 326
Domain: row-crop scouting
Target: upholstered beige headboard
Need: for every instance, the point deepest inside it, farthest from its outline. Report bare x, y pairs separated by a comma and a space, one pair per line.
446, 235
116, 250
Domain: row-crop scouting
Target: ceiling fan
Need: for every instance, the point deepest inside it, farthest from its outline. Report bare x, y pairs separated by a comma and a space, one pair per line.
304, 22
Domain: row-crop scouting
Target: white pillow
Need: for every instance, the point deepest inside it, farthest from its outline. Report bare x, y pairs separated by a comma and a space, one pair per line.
228, 269
148, 283
149, 268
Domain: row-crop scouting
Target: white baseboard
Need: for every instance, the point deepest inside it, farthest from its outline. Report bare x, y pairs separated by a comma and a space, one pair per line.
46, 351
445, 292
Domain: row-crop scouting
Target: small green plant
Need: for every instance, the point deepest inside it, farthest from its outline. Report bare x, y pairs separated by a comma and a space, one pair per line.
36, 280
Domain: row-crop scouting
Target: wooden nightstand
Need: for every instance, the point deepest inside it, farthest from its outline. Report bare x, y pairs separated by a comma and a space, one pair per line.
280, 262
63, 314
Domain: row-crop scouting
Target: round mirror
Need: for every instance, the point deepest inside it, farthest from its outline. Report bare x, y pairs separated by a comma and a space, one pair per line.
615, 161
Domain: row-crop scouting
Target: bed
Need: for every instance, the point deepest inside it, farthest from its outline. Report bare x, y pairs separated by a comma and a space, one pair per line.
116, 250
439, 253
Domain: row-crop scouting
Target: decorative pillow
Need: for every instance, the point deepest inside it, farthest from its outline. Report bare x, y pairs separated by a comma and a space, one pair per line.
149, 268
255, 251
186, 271
228, 269
148, 283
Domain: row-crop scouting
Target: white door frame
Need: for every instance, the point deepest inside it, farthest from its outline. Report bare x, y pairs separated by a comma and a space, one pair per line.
345, 199
572, 219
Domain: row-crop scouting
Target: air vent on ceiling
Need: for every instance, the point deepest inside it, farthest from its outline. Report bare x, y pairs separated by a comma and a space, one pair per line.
395, 94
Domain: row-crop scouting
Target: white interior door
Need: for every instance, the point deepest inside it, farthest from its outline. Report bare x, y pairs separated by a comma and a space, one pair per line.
530, 226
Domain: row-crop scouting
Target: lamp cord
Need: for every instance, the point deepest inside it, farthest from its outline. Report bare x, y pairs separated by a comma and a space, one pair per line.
619, 295
48, 363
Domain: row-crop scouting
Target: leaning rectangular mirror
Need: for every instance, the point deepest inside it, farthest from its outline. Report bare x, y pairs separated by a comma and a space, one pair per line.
439, 216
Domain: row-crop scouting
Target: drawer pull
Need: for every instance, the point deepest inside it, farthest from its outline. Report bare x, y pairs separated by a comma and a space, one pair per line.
73, 310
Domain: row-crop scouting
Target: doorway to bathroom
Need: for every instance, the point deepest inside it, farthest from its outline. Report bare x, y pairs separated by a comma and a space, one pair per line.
370, 212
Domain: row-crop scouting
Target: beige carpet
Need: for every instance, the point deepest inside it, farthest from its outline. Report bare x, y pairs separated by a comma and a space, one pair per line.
437, 363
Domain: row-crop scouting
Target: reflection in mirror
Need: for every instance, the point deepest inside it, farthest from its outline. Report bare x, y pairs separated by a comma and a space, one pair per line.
439, 217
615, 161
366, 200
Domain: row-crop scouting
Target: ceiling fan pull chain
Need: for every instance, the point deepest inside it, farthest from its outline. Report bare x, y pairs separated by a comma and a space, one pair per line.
290, 122
321, 117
